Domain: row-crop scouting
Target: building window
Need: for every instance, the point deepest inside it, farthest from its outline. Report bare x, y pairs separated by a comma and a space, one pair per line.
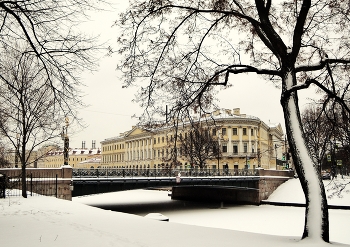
223, 131
235, 149
234, 131
163, 139
252, 132
244, 131
154, 141
224, 148
214, 132
245, 147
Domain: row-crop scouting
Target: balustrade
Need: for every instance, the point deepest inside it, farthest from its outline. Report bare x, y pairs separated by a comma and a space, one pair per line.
161, 172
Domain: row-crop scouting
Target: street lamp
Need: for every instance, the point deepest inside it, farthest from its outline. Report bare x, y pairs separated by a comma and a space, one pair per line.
218, 149
276, 155
65, 139
17, 151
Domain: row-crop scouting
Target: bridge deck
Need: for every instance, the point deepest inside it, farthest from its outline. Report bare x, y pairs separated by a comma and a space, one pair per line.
94, 181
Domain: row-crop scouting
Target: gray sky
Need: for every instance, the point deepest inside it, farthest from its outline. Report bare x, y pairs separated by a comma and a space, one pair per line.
110, 107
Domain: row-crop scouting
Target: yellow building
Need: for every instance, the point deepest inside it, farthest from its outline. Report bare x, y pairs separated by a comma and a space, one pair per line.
245, 142
76, 156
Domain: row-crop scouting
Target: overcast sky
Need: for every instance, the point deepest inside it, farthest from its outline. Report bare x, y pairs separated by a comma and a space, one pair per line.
110, 107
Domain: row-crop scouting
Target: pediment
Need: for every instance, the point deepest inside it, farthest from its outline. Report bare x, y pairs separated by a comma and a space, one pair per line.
137, 131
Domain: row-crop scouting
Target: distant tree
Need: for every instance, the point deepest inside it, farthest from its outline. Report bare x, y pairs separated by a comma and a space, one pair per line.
198, 145
327, 133
339, 142
3, 157
183, 49
318, 132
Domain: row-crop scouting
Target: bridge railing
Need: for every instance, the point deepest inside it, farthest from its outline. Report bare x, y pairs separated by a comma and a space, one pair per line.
148, 172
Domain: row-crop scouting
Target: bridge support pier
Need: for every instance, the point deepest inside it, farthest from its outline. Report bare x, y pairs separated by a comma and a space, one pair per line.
229, 194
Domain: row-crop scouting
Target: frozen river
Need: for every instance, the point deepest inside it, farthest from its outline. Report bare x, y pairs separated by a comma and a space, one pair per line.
266, 219
228, 216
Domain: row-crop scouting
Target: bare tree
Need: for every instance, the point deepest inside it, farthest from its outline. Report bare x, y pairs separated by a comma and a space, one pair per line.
3, 157
46, 54
318, 132
326, 126
186, 48
31, 115
197, 145
338, 118
47, 29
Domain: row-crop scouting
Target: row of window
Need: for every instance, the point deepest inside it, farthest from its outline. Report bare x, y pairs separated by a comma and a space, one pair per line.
69, 159
57, 165
113, 158
234, 131
113, 147
161, 153
235, 148
164, 139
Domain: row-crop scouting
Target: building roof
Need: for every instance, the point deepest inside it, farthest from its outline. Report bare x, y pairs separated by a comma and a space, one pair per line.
218, 114
95, 160
76, 151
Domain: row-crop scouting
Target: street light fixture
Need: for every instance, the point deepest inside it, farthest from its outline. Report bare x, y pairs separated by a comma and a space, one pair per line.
276, 155
65, 139
17, 150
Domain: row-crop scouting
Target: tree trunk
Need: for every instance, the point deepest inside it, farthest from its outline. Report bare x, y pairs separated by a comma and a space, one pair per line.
316, 212
24, 181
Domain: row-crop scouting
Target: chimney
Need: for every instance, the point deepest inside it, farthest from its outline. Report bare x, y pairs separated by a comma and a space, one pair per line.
237, 111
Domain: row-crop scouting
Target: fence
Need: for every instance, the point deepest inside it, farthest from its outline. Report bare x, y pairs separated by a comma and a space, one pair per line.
48, 182
148, 172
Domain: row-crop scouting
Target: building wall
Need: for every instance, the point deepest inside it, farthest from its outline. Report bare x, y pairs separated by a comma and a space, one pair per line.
246, 140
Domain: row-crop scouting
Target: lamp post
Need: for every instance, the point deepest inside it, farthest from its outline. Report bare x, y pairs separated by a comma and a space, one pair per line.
276, 155
17, 151
65, 139
218, 151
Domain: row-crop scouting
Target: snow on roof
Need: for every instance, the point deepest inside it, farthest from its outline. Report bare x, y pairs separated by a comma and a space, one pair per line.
92, 160
76, 151
215, 115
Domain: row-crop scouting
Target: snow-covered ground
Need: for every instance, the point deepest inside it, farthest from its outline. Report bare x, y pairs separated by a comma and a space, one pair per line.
47, 221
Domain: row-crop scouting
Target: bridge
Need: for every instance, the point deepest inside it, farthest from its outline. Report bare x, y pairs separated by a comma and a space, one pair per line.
244, 185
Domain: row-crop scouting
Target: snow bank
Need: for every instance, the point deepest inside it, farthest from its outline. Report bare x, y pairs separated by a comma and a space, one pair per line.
47, 221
